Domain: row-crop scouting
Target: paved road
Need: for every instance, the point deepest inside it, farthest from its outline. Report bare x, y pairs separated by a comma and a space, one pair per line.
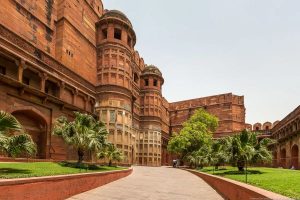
153, 183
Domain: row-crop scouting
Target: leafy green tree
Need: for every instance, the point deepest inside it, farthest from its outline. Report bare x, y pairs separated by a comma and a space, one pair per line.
196, 133
85, 133
13, 140
245, 148
111, 153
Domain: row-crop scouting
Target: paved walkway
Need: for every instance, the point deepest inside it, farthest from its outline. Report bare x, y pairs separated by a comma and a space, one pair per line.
153, 183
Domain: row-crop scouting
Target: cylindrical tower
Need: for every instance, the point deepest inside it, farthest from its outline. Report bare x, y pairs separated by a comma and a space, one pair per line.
115, 41
151, 123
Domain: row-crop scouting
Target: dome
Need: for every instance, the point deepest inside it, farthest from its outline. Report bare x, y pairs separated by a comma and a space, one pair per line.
116, 14
152, 70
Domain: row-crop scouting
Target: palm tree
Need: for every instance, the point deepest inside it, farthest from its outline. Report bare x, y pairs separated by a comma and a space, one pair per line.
84, 133
13, 140
111, 153
219, 156
262, 153
199, 158
245, 148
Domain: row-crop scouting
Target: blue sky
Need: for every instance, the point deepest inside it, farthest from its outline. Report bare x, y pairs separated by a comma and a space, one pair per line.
208, 47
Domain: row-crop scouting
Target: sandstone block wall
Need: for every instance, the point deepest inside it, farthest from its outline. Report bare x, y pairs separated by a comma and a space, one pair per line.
229, 109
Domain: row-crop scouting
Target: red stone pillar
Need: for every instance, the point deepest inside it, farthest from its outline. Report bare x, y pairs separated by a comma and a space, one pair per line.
61, 89
43, 77
21, 67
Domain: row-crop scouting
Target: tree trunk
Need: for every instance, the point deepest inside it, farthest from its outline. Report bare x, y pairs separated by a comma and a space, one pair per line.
241, 165
110, 163
80, 157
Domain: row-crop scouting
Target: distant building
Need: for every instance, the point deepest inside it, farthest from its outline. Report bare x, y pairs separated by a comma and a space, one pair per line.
287, 134
61, 56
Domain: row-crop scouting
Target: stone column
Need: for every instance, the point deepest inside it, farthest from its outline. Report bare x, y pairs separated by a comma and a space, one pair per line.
124, 36
21, 67
87, 101
288, 155
43, 77
93, 104
62, 86
75, 93
110, 31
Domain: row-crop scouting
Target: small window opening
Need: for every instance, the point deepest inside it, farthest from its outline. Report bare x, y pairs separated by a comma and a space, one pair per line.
146, 82
136, 78
2, 70
104, 33
155, 82
69, 53
118, 34
26, 80
257, 128
267, 128
51, 88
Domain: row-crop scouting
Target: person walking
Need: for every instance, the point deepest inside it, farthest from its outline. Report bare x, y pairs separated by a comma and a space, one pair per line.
174, 163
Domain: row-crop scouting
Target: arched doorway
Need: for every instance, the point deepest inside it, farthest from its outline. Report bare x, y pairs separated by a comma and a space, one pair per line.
36, 127
295, 157
283, 158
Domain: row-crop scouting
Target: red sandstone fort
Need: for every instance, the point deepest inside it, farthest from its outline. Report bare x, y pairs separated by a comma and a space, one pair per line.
61, 56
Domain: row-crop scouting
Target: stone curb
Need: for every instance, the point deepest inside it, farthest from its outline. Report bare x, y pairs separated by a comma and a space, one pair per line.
234, 190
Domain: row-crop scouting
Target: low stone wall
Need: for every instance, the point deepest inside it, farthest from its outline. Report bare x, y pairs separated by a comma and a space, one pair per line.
56, 187
234, 190
9, 159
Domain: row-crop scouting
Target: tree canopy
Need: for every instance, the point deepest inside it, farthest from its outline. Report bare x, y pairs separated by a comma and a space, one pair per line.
238, 150
195, 144
196, 133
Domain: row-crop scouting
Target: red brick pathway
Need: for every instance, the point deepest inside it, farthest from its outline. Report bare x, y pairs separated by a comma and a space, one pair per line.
154, 183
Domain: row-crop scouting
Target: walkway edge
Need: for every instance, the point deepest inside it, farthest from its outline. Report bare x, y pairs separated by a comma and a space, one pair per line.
235, 190
57, 187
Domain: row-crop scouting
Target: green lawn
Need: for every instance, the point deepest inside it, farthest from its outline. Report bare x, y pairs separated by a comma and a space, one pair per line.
24, 170
282, 181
